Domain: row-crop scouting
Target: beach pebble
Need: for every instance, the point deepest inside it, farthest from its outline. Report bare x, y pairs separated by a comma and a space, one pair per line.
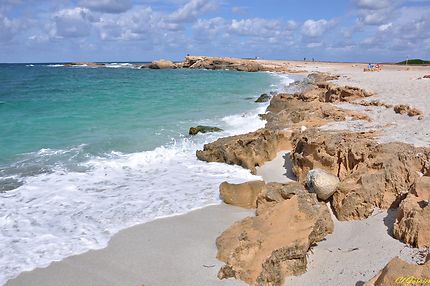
321, 183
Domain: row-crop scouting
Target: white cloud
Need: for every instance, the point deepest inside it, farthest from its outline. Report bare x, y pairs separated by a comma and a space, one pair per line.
255, 27
73, 23
385, 27
373, 4
107, 6
8, 28
316, 28
192, 10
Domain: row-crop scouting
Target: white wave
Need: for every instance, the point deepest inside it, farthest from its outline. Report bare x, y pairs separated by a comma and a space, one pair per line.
55, 65
29, 65
119, 65
62, 213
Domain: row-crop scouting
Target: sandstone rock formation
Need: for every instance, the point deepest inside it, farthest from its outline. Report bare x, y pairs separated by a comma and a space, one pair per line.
313, 106
412, 224
248, 150
263, 98
162, 64
406, 109
203, 129
371, 174
399, 272
322, 183
242, 195
263, 250
213, 63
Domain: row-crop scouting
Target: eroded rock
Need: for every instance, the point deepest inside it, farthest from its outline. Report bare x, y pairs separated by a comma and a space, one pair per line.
399, 272
248, 150
412, 224
371, 174
242, 195
263, 250
408, 110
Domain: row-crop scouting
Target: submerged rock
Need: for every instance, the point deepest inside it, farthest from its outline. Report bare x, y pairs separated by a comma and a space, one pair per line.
242, 195
322, 183
203, 129
263, 98
247, 150
412, 224
263, 250
399, 272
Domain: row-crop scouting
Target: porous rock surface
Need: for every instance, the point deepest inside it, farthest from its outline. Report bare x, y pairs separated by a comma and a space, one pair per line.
412, 224
399, 272
248, 150
264, 249
371, 174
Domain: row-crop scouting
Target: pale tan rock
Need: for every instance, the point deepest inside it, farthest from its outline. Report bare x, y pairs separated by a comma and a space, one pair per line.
248, 150
412, 224
242, 195
322, 183
162, 64
263, 250
399, 272
371, 174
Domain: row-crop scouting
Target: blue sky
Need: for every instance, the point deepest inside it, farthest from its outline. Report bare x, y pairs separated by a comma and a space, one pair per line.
141, 30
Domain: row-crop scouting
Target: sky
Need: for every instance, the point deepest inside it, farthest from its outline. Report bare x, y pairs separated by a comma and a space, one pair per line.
144, 30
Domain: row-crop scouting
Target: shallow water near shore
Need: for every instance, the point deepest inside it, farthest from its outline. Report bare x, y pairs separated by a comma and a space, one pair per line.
87, 152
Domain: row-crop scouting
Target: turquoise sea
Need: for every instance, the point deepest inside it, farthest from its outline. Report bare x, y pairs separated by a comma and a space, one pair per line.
86, 152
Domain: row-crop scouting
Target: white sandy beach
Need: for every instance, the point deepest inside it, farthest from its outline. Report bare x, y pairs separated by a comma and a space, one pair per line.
172, 251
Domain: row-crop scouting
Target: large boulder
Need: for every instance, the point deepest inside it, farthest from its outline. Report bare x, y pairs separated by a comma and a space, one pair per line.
216, 63
371, 174
242, 195
322, 183
399, 272
412, 224
162, 64
203, 129
263, 250
247, 150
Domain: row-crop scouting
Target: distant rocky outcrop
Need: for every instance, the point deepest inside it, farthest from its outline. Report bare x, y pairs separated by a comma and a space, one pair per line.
399, 272
162, 64
203, 129
84, 64
412, 224
242, 195
248, 150
263, 250
371, 174
223, 63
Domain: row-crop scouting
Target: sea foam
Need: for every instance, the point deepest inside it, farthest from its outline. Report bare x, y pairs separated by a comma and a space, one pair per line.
65, 212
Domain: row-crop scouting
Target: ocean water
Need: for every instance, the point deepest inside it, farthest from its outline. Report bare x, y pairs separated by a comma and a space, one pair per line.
86, 152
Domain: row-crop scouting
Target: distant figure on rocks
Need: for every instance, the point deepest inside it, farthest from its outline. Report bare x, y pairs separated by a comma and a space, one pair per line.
304, 59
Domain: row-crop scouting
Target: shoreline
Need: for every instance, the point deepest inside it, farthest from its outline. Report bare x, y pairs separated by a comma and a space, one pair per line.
375, 221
